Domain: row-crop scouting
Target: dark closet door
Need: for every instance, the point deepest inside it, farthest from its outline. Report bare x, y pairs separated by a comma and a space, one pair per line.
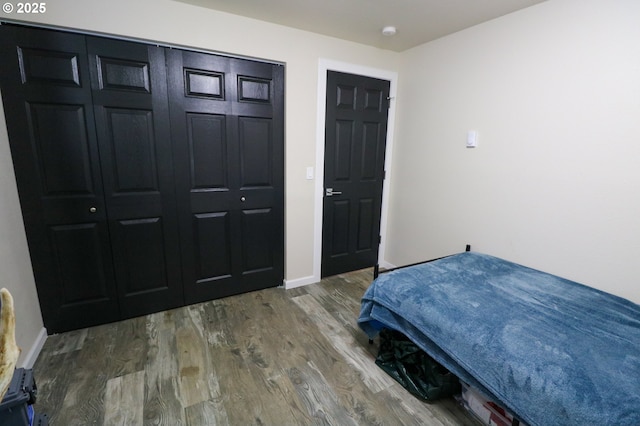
228, 134
132, 122
47, 101
355, 141
129, 207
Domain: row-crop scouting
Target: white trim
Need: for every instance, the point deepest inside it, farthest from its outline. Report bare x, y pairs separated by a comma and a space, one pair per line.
386, 265
325, 65
299, 282
31, 356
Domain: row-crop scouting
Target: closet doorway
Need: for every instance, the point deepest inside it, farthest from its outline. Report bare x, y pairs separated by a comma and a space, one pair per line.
149, 177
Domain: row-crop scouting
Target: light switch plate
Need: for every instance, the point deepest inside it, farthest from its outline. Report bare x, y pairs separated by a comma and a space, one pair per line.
472, 139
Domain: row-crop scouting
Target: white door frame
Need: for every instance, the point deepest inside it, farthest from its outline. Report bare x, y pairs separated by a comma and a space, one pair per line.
325, 65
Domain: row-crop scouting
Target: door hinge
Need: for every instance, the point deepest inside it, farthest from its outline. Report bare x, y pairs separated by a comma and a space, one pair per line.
389, 99
379, 239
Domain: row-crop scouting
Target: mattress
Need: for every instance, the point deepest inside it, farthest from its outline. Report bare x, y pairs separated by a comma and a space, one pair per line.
553, 351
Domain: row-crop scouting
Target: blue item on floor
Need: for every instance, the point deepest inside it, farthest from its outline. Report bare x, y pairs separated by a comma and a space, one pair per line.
16, 408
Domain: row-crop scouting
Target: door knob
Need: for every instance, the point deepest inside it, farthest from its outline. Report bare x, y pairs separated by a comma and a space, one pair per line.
92, 209
329, 192
243, 199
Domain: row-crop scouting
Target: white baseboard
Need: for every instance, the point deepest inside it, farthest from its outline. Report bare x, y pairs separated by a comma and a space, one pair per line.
387, 265
31, 356
299, 282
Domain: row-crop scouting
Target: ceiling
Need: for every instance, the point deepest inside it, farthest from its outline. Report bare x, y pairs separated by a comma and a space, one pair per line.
361, 21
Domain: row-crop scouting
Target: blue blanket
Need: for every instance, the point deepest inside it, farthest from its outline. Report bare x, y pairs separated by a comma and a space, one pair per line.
552, 351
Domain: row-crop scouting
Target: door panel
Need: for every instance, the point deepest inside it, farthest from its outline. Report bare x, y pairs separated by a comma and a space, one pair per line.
339, 227
47, 97
256, 152
144, 257
258, 240
132, 124
228, 137
122, 74
49, 67
370, 160
205, 84
78, 255
208, 151
213, 261
49, 124
355, 141
366, 222
342, 148
130, 134
254, 89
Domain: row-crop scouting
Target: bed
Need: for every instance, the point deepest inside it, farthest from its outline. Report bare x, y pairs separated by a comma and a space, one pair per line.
550, 350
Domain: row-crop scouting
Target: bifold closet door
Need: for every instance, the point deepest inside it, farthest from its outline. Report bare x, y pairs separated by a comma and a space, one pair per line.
49, 110
132, 124
148, 177
227, 119
89, 132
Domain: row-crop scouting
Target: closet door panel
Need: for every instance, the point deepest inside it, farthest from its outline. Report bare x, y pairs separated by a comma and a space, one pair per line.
72, 173
227, 138
203, 149
213, 261
47, 101
207, 151
130, 135
142, 241
257, 240
78, 255
258, 106
131, 110
66, 160
255, 139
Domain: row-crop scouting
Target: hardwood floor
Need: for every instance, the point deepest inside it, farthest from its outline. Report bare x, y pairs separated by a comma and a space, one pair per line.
270, 357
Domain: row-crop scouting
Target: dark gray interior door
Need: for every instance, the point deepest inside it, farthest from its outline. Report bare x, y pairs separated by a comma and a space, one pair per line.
355, 141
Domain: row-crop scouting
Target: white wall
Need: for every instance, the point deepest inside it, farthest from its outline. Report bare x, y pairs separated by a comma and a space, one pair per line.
178, 23
15, 265
554, 93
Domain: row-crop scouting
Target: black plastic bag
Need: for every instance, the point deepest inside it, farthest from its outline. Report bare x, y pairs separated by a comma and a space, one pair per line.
414, 369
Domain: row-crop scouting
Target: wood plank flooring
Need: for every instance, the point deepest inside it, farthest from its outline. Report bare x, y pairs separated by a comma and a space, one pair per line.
270, 357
